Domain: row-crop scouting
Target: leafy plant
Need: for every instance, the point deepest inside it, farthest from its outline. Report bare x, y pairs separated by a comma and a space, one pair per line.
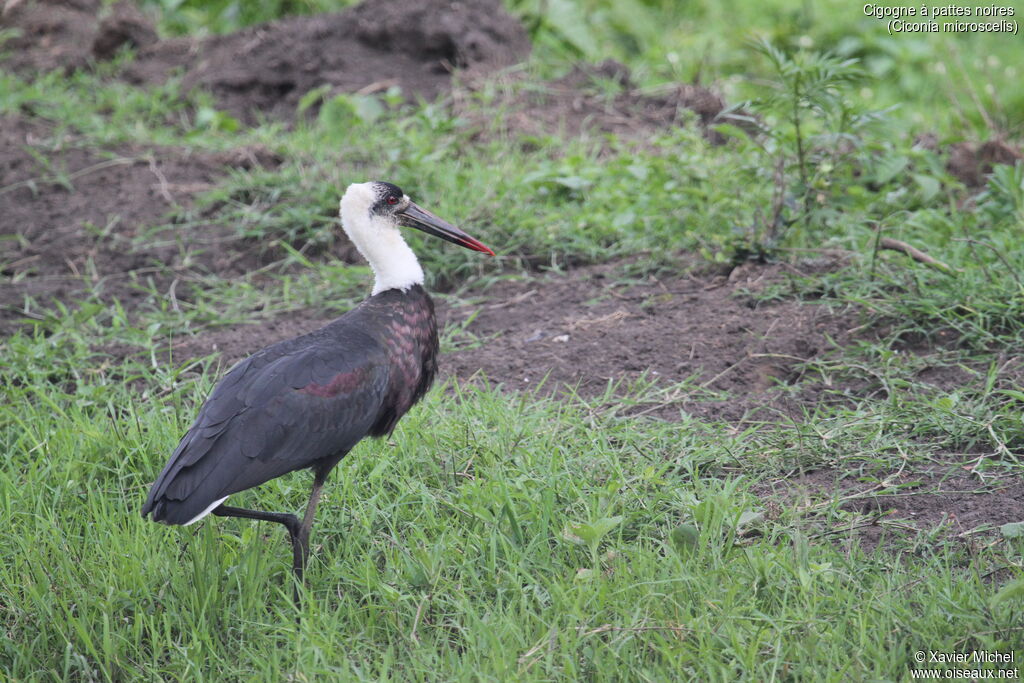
810, 133
1003, 199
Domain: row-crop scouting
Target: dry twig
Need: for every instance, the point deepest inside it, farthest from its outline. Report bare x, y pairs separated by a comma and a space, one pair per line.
916, 254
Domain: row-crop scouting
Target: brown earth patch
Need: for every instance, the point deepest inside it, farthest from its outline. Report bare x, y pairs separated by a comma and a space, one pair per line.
949, 493
578, 103
972, 163
265, 70
70, 34
75, 219
413, 44
585, 329
417, 45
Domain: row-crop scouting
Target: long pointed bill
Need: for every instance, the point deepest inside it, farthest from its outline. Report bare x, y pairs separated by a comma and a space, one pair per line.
416, 217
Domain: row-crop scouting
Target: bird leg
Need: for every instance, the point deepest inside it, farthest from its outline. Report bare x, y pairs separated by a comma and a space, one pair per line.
290, 521
298, 533
307, 524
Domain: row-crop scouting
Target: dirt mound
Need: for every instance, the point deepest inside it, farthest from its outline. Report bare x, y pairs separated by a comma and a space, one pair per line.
971, 163
124, 25
266, 69
581, 102
68, 34
412, 44
416, 45
73, 217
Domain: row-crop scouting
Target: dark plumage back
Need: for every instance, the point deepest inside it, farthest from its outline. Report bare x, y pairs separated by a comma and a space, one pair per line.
304, 402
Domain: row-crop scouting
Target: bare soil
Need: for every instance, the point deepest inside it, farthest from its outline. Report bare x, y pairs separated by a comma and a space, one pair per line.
972, 162
425, 47
586, 329
415, 45
265, 70
70, 34
76, 220
599, 98
951, 496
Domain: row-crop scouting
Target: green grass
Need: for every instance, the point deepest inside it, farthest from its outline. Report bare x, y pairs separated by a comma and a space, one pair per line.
467, 546
498, 536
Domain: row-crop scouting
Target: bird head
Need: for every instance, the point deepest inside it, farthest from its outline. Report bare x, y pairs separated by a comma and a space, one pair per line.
384, 205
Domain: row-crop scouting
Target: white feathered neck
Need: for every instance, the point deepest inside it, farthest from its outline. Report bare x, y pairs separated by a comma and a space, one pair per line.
379, 240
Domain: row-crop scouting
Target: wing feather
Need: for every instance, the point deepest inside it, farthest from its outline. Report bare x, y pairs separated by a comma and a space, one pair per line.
286, 408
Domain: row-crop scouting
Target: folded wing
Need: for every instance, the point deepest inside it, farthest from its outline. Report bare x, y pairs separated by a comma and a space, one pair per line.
291, 406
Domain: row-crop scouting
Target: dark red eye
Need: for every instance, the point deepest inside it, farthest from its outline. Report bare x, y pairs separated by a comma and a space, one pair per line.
392, 199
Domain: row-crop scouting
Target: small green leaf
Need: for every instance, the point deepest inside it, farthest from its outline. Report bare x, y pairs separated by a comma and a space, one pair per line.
1012, 393
731, 130
367, 107
624, 220
567, 20
585, 574
639, 171
928, 185
210, 119
684, 538
1012, 530
389, 593
1014, 589
889, 167
592, 533
574, 182
337, 113
749, 517
568, 535
312, 97
606, 524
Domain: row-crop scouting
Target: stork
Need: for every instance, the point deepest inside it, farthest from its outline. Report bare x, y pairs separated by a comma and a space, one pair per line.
306, 402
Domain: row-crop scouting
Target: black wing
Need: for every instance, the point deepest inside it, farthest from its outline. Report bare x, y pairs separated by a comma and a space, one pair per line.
285, 408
